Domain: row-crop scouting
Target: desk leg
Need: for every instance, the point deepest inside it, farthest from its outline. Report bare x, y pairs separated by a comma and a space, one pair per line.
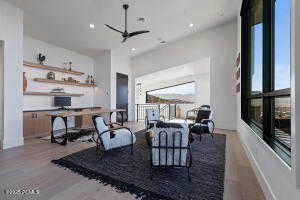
65, 141
53, 140
110, 117
52, 130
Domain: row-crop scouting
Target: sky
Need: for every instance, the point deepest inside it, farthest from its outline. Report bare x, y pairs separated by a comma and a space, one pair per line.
282, 48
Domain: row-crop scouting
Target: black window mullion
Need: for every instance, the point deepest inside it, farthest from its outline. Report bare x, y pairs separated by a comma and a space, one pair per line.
245, 65
268, 68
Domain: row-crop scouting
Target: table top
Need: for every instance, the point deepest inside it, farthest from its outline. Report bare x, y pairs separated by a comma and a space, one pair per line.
80, 113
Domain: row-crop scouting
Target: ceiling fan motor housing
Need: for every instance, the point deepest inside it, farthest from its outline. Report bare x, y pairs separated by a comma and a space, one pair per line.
125, 6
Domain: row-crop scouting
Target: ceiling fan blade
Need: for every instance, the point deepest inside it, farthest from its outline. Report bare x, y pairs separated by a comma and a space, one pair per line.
113, 28
137, 33
124, 39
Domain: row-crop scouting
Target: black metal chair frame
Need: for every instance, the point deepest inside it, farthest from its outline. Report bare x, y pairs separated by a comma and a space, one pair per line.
205, 121
195, 111
98, 139
172, 148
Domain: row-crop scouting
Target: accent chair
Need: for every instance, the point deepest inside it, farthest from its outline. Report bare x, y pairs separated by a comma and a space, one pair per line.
111, 137
170, 146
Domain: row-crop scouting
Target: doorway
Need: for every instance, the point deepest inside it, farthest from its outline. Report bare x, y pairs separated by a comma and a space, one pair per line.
122, 95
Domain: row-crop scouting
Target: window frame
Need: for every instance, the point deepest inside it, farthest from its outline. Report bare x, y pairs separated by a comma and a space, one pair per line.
268, 94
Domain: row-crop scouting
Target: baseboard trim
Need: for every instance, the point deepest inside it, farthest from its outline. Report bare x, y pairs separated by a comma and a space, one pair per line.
13, 143
258, 173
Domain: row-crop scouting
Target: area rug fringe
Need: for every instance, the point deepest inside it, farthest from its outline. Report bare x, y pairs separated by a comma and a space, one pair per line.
106, 180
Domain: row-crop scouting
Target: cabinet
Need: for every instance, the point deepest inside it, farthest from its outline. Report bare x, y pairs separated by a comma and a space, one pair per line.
28, 124
36, 123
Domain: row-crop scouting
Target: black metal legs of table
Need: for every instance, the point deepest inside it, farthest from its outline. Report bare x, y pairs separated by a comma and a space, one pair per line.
122, 115
65, 137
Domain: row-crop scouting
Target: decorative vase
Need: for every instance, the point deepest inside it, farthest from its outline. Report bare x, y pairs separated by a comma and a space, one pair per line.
24, 82
51, 76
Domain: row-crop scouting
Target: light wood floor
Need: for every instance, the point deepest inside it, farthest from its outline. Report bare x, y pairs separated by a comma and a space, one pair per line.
29, 167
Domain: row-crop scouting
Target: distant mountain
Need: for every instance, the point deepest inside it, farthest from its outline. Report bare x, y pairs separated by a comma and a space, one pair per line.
171, 98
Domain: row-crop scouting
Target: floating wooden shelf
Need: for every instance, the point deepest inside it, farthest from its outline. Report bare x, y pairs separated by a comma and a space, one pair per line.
47, 67
63, 82
52, 94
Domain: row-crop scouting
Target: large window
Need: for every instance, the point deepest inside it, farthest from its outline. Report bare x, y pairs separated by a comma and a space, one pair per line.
266, 107
182, 93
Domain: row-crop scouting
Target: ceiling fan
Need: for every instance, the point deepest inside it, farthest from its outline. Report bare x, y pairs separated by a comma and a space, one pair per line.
125, 34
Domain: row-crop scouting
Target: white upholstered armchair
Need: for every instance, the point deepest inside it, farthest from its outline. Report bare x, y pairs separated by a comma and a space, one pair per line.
111, 138
170, 146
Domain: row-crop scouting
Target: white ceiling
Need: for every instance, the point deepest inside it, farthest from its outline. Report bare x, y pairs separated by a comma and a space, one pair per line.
65, 23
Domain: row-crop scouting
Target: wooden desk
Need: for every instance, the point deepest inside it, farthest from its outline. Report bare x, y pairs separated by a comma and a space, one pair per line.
65, 114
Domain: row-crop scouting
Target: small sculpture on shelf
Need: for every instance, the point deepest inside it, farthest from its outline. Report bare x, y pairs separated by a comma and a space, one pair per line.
70, 65
65, 65
90, 80
41, 58
24, 82
70, 79
93, 80
51, 76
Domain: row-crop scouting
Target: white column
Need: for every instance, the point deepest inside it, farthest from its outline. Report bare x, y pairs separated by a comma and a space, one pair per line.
295, 90
11, 32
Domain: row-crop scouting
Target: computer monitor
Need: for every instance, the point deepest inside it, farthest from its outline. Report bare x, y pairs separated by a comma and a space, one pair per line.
62, 101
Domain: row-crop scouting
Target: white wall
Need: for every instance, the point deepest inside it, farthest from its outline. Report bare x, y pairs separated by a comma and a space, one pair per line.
295, 90
178, 75
11, 32
278, 180
218, 43
121, 64
202, 87
102, 73
56, 56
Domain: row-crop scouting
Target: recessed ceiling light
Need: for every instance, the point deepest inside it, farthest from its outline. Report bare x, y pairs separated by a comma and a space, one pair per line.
133, 49
92, 26
191, 25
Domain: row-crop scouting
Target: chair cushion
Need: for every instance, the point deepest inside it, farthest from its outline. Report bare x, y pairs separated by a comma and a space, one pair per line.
101, 127
122, 138
200, 128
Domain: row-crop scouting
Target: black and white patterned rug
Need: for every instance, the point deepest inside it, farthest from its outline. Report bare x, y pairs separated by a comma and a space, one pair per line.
131, 173
82, 135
